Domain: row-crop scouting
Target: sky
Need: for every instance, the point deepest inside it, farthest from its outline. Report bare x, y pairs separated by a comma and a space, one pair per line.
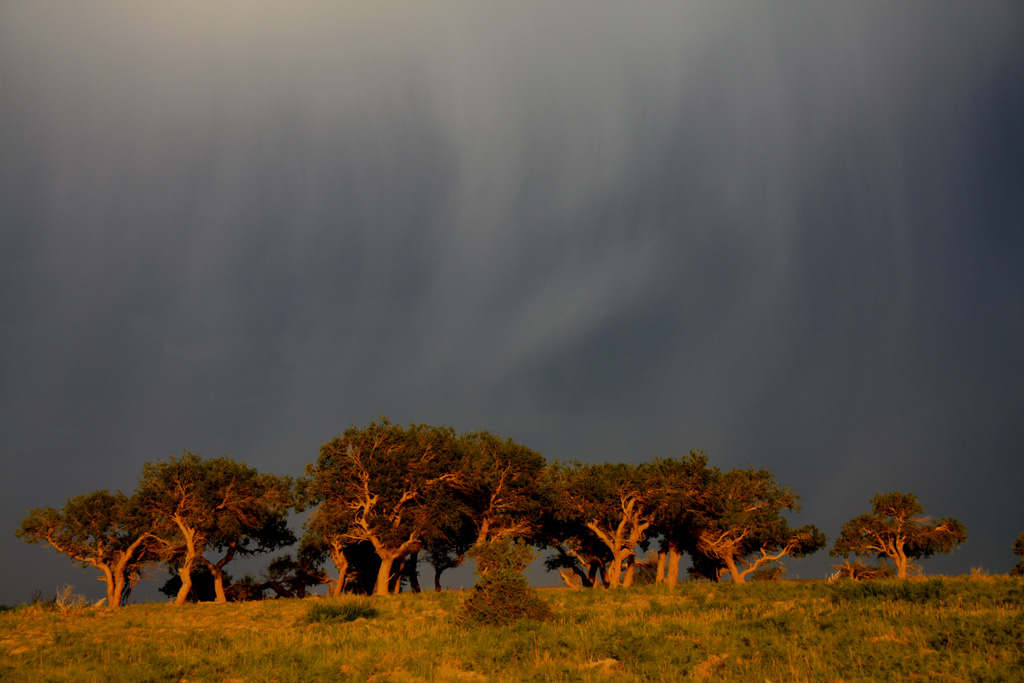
791, 234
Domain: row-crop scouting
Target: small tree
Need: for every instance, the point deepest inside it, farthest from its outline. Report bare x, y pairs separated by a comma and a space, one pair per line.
98, 529
1018, 550
502, 594
896, 530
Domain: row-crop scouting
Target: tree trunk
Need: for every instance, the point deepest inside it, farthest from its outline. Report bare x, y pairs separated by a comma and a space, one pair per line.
627, 581
340, 560
660, 578
730, 563
397, 574
108, 578
441, 568
114, 596
120, 570
185, 574
672, 573
192, 551
614, 572
901, 563
412, 570
217, 572
592, 574
384, 573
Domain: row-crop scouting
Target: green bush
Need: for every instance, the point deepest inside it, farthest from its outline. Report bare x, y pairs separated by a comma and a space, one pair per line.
348, 610
502, 594
772, 573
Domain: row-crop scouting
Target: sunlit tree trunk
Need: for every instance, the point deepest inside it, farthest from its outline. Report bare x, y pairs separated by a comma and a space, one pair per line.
383, 584
340, 560
734, 572
188, 564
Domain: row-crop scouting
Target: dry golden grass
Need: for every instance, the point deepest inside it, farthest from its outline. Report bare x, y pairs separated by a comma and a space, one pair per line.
956, 629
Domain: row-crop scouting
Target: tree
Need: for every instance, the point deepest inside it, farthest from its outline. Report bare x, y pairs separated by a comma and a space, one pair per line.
195, 505
97, 529
328, 534
1018, 550
896, 529
496, 495
684, 484
380, 484
615, 502
741, 524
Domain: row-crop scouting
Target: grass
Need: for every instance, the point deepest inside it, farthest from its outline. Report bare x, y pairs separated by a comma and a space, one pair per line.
955, 629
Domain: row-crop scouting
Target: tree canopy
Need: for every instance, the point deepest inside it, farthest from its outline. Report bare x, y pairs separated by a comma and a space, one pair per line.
98, 529
740, 525
383, 494
896, 529
195, 505
381, 484
1018, 550
615, 503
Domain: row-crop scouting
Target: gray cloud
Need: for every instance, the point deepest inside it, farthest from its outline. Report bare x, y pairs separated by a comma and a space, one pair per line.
788, 235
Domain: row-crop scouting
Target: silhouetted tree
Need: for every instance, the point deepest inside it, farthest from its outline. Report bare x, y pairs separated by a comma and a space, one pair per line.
1018, 550
896, 530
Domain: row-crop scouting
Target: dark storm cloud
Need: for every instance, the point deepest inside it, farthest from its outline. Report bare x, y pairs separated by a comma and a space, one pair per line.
791, 236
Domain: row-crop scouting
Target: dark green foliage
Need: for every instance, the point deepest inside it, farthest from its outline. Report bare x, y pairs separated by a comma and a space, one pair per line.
202, 589
195, 506
334, 611
502, 595
980, 634
98, 529
772, 573
1018, 550
382, 484
740, 525
896, 529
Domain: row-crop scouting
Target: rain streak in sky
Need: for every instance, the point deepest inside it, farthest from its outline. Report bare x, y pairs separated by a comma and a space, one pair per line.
791, 234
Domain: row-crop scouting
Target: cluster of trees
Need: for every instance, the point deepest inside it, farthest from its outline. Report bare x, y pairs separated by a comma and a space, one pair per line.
187, 512
382, 498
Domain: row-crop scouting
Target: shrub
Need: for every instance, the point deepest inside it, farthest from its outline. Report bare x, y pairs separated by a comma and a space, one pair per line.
857, 570
773, 573
340, 611
69, 603
501, 594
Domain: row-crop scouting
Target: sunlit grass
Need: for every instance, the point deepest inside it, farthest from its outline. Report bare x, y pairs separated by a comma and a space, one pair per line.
948, 629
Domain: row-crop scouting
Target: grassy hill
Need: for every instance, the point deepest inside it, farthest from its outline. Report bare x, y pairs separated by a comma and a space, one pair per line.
949, 629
